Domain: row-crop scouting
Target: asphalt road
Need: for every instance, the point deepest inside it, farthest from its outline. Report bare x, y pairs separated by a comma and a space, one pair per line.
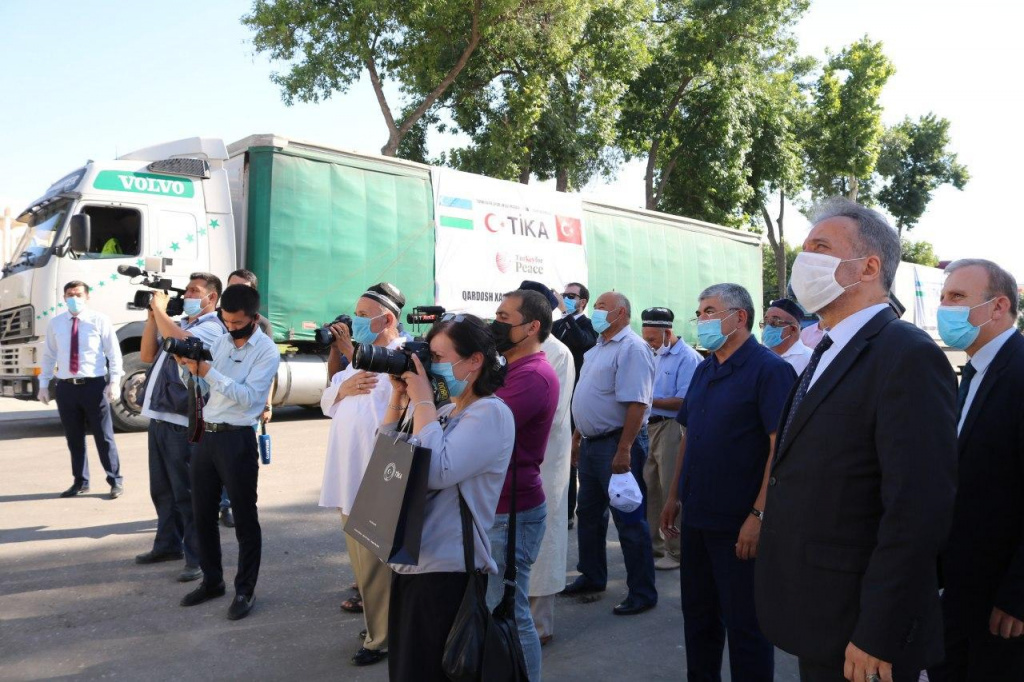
73, 604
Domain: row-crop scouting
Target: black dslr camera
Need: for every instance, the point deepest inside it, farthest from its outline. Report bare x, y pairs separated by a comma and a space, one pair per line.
190, 348
152, 280
323, 335
399, 361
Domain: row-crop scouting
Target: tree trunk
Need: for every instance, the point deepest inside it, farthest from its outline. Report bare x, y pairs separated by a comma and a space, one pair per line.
778, 244
854, 186
562, 179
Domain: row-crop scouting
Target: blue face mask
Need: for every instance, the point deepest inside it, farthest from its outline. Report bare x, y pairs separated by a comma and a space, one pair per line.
446, 371
361, 333
772, 336
600, 321
570, 305
192, 306
75, 304
954, 327
709, 333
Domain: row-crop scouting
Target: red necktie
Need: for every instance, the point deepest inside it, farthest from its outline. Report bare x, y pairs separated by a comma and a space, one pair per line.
73, 365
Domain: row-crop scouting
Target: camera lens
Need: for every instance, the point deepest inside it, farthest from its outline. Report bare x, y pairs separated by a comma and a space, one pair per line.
323, 336
381, 360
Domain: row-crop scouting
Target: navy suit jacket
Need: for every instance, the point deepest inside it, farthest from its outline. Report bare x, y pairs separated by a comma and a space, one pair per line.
860, 500
983, 561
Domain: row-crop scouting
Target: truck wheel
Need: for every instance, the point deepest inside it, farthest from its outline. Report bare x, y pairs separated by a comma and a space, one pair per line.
127, 411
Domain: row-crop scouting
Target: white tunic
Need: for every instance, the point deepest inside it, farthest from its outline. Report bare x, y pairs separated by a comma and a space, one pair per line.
354, 422
548, 573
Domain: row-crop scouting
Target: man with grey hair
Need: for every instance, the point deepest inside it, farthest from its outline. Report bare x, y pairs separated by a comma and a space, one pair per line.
610, 407
983, 560
861, 488
730, 413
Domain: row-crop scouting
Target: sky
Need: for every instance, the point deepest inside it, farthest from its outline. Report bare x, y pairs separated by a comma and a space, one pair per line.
94, 79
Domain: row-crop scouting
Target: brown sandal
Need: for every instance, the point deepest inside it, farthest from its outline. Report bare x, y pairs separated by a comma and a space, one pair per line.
353, 604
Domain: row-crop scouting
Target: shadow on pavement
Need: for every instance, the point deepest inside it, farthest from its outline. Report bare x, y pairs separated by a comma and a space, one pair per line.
37, 533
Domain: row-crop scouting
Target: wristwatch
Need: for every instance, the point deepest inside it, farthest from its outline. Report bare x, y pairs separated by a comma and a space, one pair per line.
758, 513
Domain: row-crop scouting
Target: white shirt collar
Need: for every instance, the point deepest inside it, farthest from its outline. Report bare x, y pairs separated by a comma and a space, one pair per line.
842, 333
987, 353
798, 348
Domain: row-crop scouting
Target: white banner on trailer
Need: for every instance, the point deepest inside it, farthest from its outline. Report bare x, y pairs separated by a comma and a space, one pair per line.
493, 234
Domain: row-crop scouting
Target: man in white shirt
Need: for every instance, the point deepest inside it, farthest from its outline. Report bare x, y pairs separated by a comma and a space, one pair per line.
356, 401
81, 350
780, 331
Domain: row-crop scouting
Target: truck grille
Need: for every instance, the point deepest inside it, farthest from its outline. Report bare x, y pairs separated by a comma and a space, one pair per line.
9, 362
17, 324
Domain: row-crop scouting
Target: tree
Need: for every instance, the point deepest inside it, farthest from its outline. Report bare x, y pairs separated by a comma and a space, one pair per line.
422, 46
769, 275
693, 43
914, 161
842, 138
922, 253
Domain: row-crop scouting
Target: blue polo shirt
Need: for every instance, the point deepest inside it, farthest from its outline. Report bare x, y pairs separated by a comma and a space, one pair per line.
729, 412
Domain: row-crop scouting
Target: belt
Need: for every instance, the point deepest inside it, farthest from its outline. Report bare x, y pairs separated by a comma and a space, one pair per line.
78, 381
217, 428
602, 436
657, 418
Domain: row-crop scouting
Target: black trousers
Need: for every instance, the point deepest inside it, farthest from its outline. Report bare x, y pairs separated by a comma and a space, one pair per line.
170, 488
228, 459
78, 406
422, 611
979, 657
817, 672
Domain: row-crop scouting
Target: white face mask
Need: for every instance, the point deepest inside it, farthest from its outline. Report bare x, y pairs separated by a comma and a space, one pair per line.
814, 279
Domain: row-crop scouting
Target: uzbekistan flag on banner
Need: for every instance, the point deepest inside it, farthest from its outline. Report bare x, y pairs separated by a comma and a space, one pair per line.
456, 212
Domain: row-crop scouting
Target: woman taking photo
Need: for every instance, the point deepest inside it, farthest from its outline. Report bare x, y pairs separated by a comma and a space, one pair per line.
471, 442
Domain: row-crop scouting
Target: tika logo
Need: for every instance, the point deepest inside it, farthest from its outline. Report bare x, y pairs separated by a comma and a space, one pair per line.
391, 471
569, 230
503, 261
519, 226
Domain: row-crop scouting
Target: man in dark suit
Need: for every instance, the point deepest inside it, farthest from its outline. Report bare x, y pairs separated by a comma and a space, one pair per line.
861, 490
983, 560
576, 331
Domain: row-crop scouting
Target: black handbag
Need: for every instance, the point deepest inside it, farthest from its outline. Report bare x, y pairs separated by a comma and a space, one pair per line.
484, 645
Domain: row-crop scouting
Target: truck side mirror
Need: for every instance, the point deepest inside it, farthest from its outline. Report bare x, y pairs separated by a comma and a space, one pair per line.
81, 233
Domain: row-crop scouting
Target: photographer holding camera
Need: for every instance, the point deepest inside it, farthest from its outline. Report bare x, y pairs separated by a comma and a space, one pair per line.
356, 402
244, 363
165, 402
471, 443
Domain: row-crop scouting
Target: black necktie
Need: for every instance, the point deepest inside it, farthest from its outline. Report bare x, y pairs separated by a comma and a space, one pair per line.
805, 381
966, 375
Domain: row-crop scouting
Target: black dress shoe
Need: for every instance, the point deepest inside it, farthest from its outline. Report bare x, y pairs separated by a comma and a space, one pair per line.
202, 593
226, 518
156, 557
116, 491
631, 608
241, 606
368, 657
580, 586
76, 489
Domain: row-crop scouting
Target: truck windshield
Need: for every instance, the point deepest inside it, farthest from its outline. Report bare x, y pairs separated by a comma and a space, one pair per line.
44, 223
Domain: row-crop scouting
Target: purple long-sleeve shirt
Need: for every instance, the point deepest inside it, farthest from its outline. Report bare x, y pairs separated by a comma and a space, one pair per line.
531, 392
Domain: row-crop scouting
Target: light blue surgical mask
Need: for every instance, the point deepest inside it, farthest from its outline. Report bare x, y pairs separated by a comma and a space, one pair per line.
954, 327
570, 306
709, 333
75, 304
600, 321
361, 332
192, 306
772, 336
446, 371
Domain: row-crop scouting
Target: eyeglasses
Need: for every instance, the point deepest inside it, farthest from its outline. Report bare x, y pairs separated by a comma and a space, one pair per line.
571, 297
453, 317
708, 316
773, 322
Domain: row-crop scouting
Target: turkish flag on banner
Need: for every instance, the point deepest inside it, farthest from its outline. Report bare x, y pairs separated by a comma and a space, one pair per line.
569, 230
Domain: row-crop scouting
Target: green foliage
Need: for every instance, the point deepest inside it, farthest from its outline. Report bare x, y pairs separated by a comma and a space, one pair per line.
914, 162
922, 252
769, 273
844, 129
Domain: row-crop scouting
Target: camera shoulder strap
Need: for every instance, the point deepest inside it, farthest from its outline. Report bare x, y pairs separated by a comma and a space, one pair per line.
196, 425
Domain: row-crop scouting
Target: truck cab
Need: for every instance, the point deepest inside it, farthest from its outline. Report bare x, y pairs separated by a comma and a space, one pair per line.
171, 202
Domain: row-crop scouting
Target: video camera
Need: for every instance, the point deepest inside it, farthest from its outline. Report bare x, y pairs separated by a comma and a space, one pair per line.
425, 314
323, 335
153, 280
190, 348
